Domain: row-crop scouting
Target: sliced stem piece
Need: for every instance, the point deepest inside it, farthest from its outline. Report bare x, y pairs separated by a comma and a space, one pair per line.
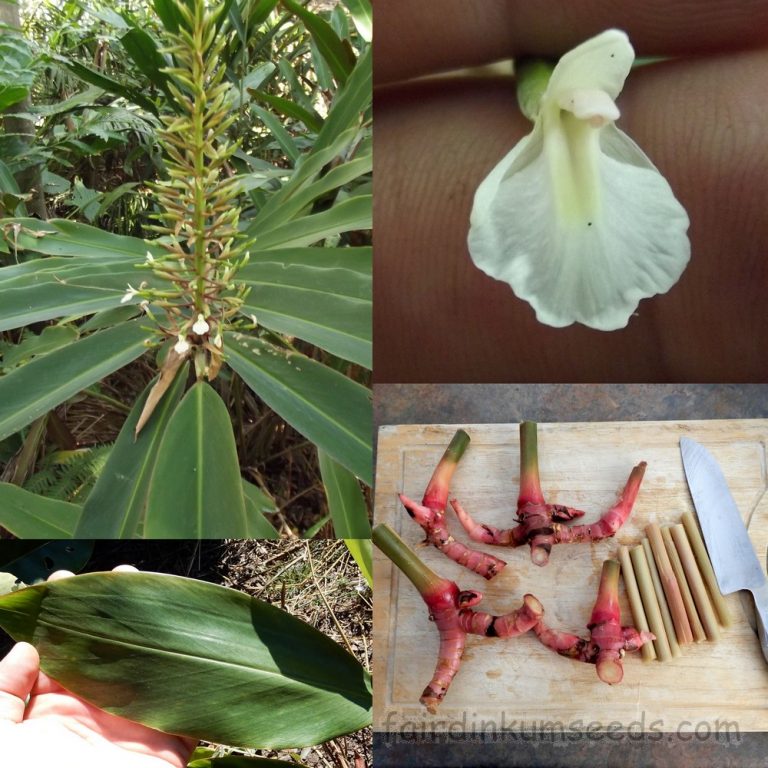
705, 566
666, 616
695, 582
635, 601
671, 587
699, 635
650, 603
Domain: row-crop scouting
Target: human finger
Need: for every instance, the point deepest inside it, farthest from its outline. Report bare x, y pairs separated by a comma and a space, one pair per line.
438, 318
416, 38
63, 574
18, 672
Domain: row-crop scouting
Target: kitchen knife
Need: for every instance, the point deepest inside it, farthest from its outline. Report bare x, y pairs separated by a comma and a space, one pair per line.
730, 550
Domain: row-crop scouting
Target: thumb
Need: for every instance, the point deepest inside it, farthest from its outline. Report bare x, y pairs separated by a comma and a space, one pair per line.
18, 672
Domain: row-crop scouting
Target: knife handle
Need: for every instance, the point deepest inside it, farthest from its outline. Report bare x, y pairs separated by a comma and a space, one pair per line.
761, 612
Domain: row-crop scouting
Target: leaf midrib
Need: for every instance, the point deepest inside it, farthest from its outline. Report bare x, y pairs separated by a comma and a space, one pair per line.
181, 654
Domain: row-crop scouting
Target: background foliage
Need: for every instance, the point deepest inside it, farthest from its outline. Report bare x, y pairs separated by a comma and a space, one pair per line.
83, 89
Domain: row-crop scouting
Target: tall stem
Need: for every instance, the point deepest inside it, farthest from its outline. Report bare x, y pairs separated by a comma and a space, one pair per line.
423, 578
607, 604
530, 487
436, 494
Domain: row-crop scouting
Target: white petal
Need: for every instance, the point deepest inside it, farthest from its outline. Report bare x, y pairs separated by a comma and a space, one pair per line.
574, 269
597, 107
601, 63
129, 294
181, 346
201, 326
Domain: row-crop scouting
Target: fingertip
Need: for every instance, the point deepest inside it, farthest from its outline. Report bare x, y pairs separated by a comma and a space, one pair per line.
59, 575
22, 653
18, 672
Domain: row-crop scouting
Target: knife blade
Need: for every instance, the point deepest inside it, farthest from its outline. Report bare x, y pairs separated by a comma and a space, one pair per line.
733, 557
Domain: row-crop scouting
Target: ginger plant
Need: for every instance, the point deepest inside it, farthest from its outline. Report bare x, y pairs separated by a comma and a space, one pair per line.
452, 611
430, 514
608, 640
540, 525
194, 296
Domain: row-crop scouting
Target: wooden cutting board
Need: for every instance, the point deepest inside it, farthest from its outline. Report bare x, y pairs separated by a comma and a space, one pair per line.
517, 683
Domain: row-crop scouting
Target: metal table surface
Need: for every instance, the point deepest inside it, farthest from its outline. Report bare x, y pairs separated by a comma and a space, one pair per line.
492, 403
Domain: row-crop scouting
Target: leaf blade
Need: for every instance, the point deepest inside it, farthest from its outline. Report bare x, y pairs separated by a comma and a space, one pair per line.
197, 472
329, 409
123, 485
29, 516
34, 388
263, 678
345, 500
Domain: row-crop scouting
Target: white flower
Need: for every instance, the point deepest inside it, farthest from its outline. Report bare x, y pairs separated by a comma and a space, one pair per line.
129, 294
200, 327
150, 258
576, 218
181, 347
218, 341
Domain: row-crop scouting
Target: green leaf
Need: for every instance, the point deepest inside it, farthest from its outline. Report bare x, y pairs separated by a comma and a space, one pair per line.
236, 761
97, 78
144, 51
60, 237
352, 214
10, 189
51, 338
361, 550
260, 12
169, 14
137, 644
196, 490
340, 57
29, 516
362, 16
322, 295
43, 289
85, 200
298, 94
345, 500
256, 504
311, 120
33, 389
310, 167
304, 195
116, 505
350, 104
252, 80
316, 527
16, 71
281, 136
329, 409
